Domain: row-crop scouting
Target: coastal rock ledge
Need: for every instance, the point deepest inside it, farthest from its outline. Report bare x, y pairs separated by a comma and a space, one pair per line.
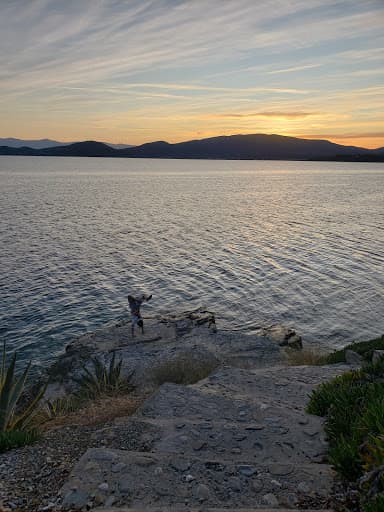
238, 439
187, 335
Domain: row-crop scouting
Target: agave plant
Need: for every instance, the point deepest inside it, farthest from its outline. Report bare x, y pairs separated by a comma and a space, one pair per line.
11, 388
104, 379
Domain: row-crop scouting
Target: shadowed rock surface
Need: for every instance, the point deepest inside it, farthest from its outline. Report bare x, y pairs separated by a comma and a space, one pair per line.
239, 438
192, 335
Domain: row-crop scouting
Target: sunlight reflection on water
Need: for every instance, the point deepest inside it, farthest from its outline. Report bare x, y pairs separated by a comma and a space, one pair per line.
299, 243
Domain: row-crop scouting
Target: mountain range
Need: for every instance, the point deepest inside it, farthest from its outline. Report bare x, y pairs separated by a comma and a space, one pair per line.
233, 147
47, 143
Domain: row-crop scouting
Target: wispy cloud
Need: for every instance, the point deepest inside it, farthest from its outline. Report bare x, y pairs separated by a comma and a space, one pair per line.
285, 115
293, 69
265, 63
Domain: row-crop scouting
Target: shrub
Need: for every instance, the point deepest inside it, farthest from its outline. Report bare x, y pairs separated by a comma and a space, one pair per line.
375, 505
105, 379
344, 455
364, 348
16, 438
353, 404
322, 398
12, 417
305, 357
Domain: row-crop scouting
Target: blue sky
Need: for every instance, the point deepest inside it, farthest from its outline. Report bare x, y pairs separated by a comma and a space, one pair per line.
137, 71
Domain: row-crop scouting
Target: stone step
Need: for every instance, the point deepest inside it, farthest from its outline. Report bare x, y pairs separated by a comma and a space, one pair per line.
287, 386
122, 478
184, 509
192, 420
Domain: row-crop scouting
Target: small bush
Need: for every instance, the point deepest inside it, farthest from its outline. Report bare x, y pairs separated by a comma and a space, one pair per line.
375, 505
14, 417
57, 408
305, 357
344, 455
183, 369
353, 404
364, 348
17, 438
105, 379
322, 398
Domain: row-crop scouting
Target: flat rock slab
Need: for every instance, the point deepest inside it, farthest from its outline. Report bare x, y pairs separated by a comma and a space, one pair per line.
286, 385
196, 421
199, 509
191, 333
239, 438
136, 479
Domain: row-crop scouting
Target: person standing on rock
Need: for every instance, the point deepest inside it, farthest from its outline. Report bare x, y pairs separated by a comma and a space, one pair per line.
134, 306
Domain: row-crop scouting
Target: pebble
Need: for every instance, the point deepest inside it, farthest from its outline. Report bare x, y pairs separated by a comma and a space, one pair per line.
236, 451
189, 478
280, 469
116, 468
198, 445
270, 500
234, 484
202, 492
103, 487
247, 470
257, 485
181, 464
304, 488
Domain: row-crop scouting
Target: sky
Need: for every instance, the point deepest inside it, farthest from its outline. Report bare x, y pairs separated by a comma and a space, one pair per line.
135, 71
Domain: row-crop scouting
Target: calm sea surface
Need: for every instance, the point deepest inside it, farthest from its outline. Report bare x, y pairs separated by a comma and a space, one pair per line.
298, 243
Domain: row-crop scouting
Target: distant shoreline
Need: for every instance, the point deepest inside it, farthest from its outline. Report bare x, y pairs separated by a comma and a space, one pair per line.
234, 147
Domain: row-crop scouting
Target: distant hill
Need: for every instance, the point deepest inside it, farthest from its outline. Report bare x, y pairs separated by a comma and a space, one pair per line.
47, 143
234, 147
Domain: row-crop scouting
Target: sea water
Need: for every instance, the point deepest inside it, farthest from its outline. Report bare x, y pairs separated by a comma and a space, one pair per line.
257, 242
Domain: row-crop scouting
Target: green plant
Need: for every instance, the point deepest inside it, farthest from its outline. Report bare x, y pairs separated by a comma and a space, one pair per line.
103, 380
376, 504
310, 357
322, 398
344, 456
364, 348
353, 404
61, 406
16, 438
13, 417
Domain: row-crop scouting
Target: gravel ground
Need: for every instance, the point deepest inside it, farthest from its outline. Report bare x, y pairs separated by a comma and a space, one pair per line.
30, 477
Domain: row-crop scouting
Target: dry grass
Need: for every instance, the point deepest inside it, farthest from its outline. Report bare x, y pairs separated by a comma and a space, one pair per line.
305, 357
183, 369
99, 411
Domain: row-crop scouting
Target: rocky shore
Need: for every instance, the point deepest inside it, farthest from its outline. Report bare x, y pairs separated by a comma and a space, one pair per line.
237, 439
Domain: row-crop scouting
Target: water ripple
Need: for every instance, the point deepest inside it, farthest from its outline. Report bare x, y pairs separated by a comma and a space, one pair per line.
258, 242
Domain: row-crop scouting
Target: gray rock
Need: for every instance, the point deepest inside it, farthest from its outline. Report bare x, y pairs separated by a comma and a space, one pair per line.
270, 500
303, 488
110, 501
181, 464
234, 484
126, 486
202, 492
280, 469
247, 470
76, 499
353, 358
377, 355
257, 485
103, 487
116, 468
